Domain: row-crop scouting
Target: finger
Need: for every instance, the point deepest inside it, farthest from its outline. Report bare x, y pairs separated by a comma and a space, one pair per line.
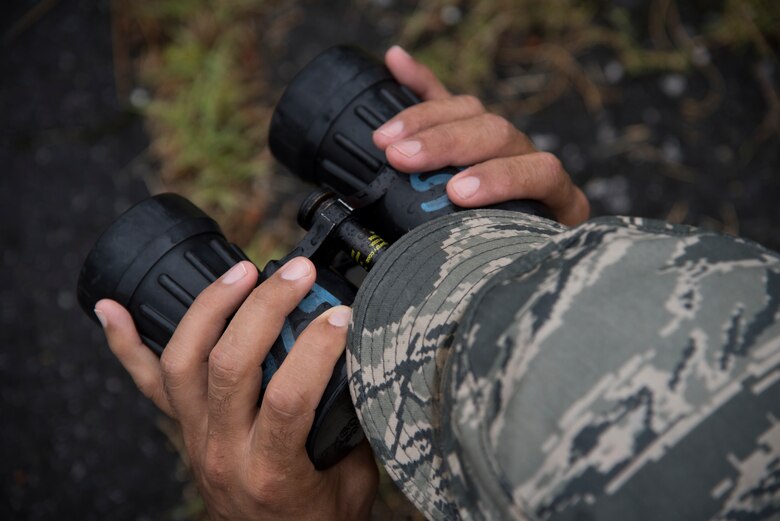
416, 76
425, 115
142, 364
294, 392
463, 142
538, 176
234, 364
185, 359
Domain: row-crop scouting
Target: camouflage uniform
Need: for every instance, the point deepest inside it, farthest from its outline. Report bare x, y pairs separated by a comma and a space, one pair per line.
504, 367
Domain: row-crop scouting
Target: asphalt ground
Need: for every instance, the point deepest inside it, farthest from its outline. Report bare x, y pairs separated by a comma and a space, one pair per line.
76, 440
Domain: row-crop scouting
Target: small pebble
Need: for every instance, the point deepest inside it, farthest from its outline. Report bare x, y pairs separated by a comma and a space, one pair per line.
450, 14
613, 71
66, 300
66, 61
611, 192
673, 85
113, 385
606, 133
724, 154
98, 153
572, 158
42, 156
700, 56
139, 98
671, 150
651, 116
116, 496
78, 471
545, 142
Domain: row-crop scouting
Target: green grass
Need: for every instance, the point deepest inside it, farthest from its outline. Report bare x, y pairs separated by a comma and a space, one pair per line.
209, 108
552, 36
210, 105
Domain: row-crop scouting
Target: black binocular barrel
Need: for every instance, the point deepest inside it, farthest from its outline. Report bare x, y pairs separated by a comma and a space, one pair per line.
154, 260
322, 131
159, 255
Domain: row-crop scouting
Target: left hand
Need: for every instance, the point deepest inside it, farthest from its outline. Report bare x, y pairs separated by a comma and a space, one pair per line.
249, 462
447, 130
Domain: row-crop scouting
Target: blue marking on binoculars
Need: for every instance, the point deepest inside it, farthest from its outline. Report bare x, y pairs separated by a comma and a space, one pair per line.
430, 180
288, 337
423, 185
436, 204
316, 297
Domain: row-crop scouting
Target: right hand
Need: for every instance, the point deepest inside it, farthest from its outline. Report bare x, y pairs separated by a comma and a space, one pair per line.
446, 130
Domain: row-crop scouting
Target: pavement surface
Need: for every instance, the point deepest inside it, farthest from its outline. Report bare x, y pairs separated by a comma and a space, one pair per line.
76, 440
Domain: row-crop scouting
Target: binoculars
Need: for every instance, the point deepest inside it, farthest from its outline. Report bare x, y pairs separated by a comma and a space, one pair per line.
160, 254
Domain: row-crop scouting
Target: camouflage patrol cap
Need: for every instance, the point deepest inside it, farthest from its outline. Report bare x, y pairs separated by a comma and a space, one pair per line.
505, 368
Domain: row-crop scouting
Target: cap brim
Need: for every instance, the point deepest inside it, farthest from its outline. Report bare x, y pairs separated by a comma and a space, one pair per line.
405, 316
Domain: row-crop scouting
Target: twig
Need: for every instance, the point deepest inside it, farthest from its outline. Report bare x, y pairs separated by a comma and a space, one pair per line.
678, 212
657, 22
563, 61
697, 109
771, 123
121, 63
762, 44
29, 19
730, 219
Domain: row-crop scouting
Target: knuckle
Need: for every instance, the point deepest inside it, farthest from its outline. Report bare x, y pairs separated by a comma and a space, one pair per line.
219, 400
260, 297
149, 387
265, 486
551, 168
550, 164
171, 365
415, 116
471, 103
287, 401
215, 467
504, 130
202, 304
320, 349
509, 178
224, 368
442, 137
272, 296
232, 338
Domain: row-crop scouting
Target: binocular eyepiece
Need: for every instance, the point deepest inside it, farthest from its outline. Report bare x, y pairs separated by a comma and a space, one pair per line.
159, 255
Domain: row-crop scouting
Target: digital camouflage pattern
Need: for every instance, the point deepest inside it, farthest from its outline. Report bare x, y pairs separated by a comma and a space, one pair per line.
625, 369
402, 329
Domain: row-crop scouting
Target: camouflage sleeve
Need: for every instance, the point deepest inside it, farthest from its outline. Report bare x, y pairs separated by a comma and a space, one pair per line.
635, 375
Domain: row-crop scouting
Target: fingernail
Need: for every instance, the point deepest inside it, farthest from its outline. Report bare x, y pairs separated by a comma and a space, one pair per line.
340, 317
465, 186
234, 274
101, 318
392, 129
295, 269
401, 49
408, 148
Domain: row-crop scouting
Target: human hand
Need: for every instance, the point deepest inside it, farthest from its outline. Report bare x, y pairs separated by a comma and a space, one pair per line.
250, 463
447, 130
